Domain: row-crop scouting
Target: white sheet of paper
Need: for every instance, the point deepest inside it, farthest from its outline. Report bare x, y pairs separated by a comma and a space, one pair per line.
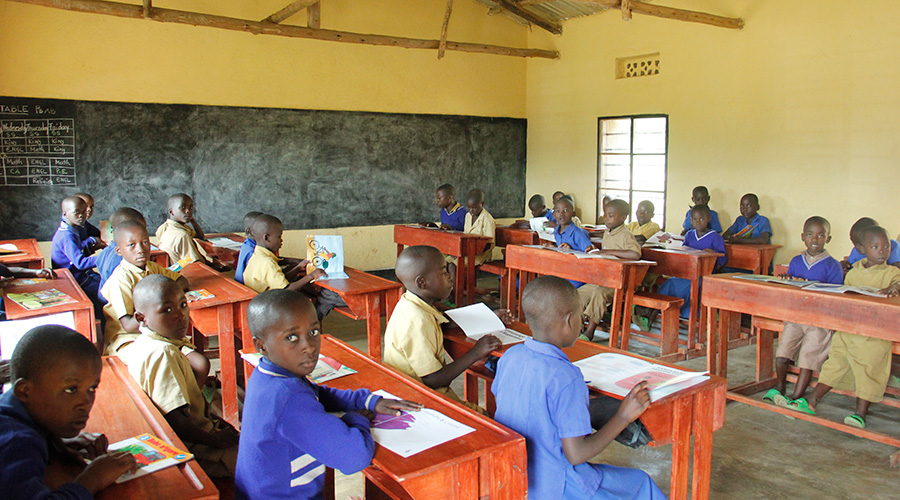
544, 233
618, 374
415, 432
223, 242
11, 332
477, 320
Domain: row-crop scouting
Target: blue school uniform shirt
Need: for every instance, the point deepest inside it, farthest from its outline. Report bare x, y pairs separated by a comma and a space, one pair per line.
455, 217
542, 396
825, 269
107, 262
549, 215
68, 251
760, 224
247, 248
893, 258
713, 221
577, 238
288, 438
89, 233
710, 240
23, 457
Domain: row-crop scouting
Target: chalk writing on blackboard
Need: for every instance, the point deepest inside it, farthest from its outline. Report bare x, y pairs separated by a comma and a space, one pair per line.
37, 148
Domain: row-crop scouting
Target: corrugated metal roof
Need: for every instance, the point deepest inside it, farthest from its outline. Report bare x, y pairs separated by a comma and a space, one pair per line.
554, 11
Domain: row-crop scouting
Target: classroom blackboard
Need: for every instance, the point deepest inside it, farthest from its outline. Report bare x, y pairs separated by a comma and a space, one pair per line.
313, 169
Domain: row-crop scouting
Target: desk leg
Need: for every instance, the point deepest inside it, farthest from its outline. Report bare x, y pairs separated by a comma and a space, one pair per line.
681, 448
373, 325
470, 272
765, 352
617, 327
512, 302
712, 334
459, 288
225, 316
703, 440
726, 319
693, 331
246, 340
628, 298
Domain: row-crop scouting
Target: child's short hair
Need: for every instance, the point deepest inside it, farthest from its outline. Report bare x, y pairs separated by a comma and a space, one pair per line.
566, 199
447, 189
752, 197
620, 205
815, 219
266, 308
700, 209
126, 225
545, 298
175, 200
858, 226
870, 231
42, 346
647, 203
700, 190
475, 196
125, 213
151, 290
264, 223
536, 201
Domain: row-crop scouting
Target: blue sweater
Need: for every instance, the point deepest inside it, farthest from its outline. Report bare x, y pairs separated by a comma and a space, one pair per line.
824, 270
68, 252
23, 457
247, 248
288, 437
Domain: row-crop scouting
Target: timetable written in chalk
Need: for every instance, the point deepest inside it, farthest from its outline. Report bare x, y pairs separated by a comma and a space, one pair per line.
37, 143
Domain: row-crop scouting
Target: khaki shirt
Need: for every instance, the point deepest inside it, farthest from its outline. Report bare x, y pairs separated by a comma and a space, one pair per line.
262, 272
177, 240
483, 226
620, 238
647, 230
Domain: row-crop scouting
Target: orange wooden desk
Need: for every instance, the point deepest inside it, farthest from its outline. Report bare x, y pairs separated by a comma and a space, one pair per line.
82, 308
159, 256
504, 236
754, 258
461, 245
488, 463
121, 411
224, 316
691, 266
225, 255
368, 297
30, 256
726, 297
621, 275
696, 411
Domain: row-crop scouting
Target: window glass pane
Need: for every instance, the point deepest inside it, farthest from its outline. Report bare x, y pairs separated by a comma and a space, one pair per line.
615, 136
659, 204
650, 135
615, 172
616, 194
649, 172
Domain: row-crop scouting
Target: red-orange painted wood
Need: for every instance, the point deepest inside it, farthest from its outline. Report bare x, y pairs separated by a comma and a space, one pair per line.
504, 236
82, 308
754, 258
30, 256
225, 255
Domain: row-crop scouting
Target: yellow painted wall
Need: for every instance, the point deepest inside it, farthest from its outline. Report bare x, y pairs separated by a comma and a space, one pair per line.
800, 107
57, 54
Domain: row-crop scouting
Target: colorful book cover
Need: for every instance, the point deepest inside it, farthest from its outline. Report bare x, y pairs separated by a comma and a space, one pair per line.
152, 454
40, 299
195, 295
326, 368
326, 252
29, 281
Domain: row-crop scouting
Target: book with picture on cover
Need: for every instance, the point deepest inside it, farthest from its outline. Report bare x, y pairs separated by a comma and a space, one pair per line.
40, 299
326, 252
151, 453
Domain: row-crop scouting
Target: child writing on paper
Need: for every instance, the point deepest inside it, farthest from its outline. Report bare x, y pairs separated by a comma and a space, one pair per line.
700, 196
804, 345
157, 361
858, 252
55, 372
288, 437
749, 227
176, 235
858, 363
643, 228
413, 341
542, 395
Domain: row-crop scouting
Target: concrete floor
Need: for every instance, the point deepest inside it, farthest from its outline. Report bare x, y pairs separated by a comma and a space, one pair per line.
757, 454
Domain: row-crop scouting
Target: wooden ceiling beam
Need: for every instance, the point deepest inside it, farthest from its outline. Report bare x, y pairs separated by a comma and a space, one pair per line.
267, 28
670, 13
314, 16
514, 8
289, 11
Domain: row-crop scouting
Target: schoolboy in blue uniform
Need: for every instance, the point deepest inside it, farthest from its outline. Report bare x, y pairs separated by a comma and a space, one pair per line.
804, 345
453, 215
288, 437
70, 251
857, 254
700, 196
538, 208
89, 230
749, 227
542, 395
55, 372
108, 259
247, 247
701, 237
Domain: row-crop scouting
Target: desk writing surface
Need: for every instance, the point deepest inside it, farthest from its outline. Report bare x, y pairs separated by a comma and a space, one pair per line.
82, 308
30, 257
448, 242
754, 257
357, 283
606, 272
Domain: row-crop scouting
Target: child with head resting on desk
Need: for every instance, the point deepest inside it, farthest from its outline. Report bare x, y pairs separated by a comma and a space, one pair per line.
247, 247
122, 327
108, 259
157, 362
413, 341
71, 251
643, 228
176, 236
804, 345
858, 363
89, 230
55, 372
749, 227
543, 396
700, 196
701, 237
858, 251
8, 274
618, 242
288, 434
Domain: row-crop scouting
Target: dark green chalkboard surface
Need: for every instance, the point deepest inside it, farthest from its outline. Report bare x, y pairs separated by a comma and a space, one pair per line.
312, 169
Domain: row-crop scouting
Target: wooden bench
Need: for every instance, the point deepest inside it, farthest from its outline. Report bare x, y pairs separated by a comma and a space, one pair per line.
667, 340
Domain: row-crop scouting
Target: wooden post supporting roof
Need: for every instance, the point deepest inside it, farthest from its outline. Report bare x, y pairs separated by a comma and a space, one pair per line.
267, 28
289, 11
442, 43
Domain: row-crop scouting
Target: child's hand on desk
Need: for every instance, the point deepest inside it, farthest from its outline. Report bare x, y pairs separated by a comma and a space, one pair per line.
565, 246
635, 403
891, 291
93, 444
6, 280
47, 273
105, 469
318, 273
486, 345
504, 316
446, 227
386, 406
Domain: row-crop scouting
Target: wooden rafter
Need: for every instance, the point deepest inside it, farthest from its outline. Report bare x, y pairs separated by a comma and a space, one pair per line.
314, 16
629, 6
514, 8
289, 11
442, 43
267, 28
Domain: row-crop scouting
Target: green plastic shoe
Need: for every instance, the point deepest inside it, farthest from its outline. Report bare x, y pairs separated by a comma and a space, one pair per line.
802, 406
855, 421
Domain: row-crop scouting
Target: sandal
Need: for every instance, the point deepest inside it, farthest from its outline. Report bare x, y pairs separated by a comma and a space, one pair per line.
800, 405
777, 398
770, 396
855, 421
